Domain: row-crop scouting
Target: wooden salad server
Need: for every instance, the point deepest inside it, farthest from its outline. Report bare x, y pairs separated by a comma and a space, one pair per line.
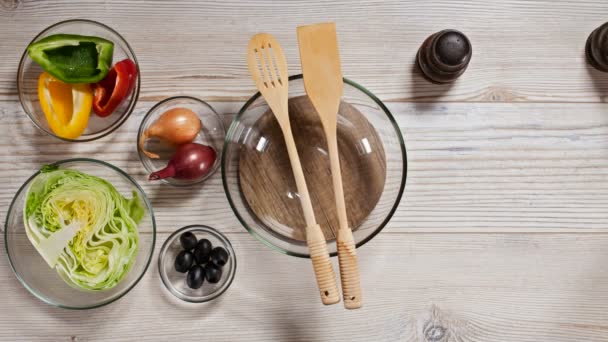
268, 68
323, 83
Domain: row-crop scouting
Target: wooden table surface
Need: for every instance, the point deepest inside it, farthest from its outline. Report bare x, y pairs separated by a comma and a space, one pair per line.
502, 232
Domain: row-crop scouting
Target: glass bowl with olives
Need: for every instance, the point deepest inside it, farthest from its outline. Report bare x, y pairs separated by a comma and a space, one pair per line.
197, 263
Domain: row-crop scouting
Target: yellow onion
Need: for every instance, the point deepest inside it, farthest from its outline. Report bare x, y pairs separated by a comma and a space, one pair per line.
176, 126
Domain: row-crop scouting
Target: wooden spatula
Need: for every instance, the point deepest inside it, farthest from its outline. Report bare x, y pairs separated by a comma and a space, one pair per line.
268, 68
323, 83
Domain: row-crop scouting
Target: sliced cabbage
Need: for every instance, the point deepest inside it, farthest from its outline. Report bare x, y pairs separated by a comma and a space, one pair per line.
83, 227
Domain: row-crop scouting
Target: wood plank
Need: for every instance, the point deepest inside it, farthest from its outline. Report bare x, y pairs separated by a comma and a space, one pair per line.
506, 173
464, 287
523, 51
472, 167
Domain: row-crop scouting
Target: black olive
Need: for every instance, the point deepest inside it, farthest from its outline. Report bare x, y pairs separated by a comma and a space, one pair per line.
219, 256
213, 273
183, 261
195, 277
202, 251
188, 240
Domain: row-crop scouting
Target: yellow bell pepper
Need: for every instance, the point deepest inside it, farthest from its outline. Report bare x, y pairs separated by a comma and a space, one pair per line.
67, 107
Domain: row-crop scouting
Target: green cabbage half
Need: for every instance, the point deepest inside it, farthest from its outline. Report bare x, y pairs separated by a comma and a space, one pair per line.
83, 227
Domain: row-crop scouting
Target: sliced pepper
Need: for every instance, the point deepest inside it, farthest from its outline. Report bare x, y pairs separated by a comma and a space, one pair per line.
72, 58
115, 88
67, 107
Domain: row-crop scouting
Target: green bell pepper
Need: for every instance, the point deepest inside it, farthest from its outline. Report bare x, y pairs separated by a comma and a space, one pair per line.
72, 58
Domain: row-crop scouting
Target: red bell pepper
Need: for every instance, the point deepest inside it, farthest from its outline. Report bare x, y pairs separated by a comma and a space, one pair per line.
115, 88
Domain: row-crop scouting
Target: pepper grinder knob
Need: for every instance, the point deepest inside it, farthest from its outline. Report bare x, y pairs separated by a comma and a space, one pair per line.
596, 48
444, 56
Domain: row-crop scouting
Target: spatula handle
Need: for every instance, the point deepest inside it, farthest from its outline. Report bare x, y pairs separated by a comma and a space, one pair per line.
347, 250
324, 271
349, 269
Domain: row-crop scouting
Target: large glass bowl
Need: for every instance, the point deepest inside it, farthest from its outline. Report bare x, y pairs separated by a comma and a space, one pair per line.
29, 72
44, 282
259, 184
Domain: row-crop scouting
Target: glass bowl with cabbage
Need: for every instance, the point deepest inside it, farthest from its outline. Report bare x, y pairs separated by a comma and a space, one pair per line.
80, 233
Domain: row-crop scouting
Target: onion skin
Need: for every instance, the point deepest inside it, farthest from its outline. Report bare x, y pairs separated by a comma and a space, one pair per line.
190, 161
176, 126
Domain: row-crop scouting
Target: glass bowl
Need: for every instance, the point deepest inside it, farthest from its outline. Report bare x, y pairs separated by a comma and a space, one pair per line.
44, 282
29, 72
259, 183
212, 134
175, 281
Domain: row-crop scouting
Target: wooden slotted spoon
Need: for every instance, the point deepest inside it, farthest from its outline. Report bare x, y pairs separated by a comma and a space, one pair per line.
323, 83
268, 68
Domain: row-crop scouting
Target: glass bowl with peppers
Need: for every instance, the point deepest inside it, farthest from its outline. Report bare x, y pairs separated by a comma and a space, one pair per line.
78, 80
180, 141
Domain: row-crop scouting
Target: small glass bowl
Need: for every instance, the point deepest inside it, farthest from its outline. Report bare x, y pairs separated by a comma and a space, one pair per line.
175, 281
212, 134
29, 72
45, 282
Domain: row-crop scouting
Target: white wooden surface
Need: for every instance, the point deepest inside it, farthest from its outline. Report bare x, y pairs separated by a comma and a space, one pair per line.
502, 233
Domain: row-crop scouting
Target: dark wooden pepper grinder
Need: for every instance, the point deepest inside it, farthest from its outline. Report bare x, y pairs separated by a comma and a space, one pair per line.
444, 56
596, 48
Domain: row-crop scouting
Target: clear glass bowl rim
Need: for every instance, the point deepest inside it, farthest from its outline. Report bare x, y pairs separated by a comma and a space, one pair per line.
360, 243
209, 230
109, 129
160, 103
147, 203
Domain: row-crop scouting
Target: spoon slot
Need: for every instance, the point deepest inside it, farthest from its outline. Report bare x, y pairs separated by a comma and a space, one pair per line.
271, 65
261, 65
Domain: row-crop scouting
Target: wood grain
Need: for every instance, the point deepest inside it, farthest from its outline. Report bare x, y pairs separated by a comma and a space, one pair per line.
525, 51
472, 167
268, 196
464, 287
511, 161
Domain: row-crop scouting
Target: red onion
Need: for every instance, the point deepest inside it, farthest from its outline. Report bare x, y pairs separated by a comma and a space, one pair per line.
190, 161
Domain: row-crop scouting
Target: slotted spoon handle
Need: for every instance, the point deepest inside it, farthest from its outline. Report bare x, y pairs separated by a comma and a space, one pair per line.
317, 245
324, 271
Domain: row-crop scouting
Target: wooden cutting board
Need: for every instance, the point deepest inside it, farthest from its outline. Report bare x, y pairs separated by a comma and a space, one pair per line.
268, 186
